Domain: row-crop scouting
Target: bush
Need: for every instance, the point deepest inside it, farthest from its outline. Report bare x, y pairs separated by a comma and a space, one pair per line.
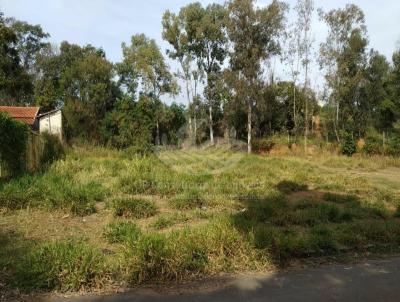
136, 208
393, 147
349, 145
13, 141
373, 145
122, 232
52, 149
64, 266
262, 145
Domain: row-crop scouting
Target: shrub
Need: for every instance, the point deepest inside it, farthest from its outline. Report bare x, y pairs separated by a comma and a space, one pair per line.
262, 145
52, 149
13, 141
122, 232
393, 147
349, 145
136, 208
373, 145
64, 266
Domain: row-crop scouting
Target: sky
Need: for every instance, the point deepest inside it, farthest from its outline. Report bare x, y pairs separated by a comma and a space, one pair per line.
106, 23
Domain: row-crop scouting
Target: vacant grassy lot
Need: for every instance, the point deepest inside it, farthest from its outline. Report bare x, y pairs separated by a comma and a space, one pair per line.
101, 218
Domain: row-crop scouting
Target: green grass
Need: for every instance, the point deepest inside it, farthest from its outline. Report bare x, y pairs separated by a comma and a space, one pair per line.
185, 214
169, 220
122, 232
64, 266
133, 207
52, 191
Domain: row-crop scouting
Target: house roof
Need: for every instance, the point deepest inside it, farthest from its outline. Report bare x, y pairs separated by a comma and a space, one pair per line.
26, 115
48, 113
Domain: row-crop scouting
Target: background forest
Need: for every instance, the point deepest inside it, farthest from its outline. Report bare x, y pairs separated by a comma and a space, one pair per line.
225, 55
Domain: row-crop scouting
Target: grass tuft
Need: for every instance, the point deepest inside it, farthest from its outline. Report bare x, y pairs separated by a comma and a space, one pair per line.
122, 232
134, 207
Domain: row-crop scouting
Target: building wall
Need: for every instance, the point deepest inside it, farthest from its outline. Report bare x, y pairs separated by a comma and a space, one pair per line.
51, 123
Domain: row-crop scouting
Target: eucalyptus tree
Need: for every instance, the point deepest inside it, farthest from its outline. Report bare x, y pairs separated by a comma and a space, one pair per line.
145, 58
304, 9
253, 33
174, 33
291, 56
342, 57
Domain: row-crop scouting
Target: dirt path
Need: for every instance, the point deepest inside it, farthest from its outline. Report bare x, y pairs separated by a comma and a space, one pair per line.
367, 281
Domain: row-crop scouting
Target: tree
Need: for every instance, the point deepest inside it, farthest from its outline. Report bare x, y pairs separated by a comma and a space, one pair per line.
88, 89
30, 41
144, 57
48, 68
253, 33
15, 83
304, 9
205, 28
342, 56
174, 33
198, 34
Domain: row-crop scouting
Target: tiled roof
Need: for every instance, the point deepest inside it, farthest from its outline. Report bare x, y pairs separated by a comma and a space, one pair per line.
26, 115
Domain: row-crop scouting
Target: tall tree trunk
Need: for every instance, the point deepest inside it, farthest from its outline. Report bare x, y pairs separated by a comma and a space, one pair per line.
195, 129
294, 105
306, 128
211, 125
158, 133
336, 123
249, 127
189, 105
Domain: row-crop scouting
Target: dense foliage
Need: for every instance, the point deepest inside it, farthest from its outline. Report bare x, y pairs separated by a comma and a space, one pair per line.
13, 141
226, 56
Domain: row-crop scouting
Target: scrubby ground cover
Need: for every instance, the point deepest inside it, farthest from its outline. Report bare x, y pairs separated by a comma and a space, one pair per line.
101, 218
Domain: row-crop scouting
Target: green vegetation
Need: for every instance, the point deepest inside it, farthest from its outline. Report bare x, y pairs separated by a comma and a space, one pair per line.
136, 208
122, 232
162, 196
243, 212
65, 266
13, 141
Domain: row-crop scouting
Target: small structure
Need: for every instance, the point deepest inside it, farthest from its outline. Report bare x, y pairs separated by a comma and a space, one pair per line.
51, 122
27, 115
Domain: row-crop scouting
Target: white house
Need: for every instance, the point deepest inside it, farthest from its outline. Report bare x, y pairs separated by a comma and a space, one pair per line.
51, 122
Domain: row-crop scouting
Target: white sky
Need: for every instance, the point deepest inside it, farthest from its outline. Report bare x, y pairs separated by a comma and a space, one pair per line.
106, 23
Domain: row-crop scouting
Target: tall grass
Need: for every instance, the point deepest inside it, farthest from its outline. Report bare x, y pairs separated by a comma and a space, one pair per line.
63, 266
52, 191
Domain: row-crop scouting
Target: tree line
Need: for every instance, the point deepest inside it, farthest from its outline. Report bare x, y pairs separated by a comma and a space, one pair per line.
227, 57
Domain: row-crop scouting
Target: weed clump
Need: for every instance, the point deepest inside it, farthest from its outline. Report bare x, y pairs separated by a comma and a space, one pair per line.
135, 208
122, 232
